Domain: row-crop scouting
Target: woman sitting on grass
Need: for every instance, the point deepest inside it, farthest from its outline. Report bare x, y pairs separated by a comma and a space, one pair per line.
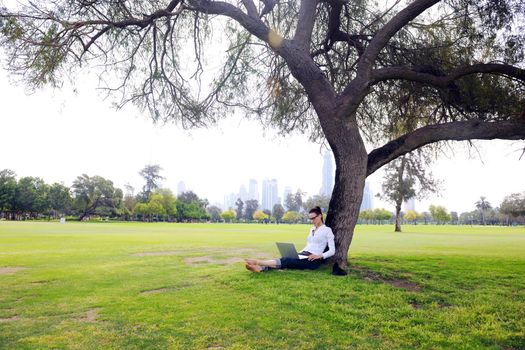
320, 236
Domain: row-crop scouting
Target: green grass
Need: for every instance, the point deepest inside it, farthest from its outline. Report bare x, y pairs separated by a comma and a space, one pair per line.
430, 287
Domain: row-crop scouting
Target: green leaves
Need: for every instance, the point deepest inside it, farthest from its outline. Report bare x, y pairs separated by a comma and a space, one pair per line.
191, 207
7, 189
11, 29
31, 195
439, 214
95, 196
514, 205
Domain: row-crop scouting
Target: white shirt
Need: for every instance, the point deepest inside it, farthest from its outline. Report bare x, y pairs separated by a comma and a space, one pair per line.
318, 239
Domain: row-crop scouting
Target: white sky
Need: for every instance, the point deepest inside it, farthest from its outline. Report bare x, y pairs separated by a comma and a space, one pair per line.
58, 135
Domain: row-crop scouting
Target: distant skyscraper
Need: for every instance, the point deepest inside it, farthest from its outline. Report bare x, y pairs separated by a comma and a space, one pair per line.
181, 187
243, 194
368, 198
229, 201
253, 190
328, 174
410, 204
287, 191
269, 194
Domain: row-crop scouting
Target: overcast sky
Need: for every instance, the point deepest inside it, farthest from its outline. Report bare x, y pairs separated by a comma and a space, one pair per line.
58, 135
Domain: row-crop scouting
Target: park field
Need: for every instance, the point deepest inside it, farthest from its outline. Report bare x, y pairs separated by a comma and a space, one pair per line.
184, 286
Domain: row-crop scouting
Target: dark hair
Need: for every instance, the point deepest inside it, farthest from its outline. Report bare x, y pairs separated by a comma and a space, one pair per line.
318, 211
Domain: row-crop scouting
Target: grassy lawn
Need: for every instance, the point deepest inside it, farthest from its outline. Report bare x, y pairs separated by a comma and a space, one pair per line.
182, 286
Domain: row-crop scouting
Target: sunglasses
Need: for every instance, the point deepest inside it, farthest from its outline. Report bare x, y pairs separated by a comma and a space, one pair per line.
313, 217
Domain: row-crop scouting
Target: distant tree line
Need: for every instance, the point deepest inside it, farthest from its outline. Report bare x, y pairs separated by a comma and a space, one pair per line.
94, 197
510, 212
294, 210
30, 197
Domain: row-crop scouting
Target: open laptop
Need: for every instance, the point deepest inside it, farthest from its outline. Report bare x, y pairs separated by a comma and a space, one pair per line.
288, 250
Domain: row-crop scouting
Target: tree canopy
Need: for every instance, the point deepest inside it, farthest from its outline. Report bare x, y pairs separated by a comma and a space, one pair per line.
7, 189
430, 60
95, 195
294, 201
439, 214
278, 212
514, 204
228, 215
191, 207
31, 195
151, 174
483, 205
407, 177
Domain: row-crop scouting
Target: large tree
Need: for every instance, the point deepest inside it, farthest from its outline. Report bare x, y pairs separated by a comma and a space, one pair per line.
129, 201
278, 212
7, 190
514, 205
151, 174
59, 199
215, 213
407, 177
95, 195
483, 205
251, 206
239, 205
294, 201
439, 214
337, 68
31, 196
190, 207
228, 215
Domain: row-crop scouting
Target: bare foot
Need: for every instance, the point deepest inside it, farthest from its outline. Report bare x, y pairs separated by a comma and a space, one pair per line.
253, 268
251, 261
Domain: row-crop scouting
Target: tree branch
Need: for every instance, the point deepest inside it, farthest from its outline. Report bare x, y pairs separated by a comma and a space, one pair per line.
357, 89
390, 29
253, 25
250, 8
268, 7
305, 23
435, 77
456, 131
334, 33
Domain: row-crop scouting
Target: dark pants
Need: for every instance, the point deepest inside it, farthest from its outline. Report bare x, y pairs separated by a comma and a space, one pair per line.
300, 264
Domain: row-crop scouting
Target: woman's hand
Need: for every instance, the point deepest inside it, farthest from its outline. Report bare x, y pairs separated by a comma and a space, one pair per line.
315, 257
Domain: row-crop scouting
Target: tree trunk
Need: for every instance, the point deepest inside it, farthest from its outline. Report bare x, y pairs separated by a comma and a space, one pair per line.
351, 164
401, 193
398, 217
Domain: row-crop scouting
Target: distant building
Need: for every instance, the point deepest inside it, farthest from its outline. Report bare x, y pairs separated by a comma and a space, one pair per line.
243, 194
181, 187
410, 204
229, 201
328, 174
269, 194
253, 190
287, 191
368, 198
